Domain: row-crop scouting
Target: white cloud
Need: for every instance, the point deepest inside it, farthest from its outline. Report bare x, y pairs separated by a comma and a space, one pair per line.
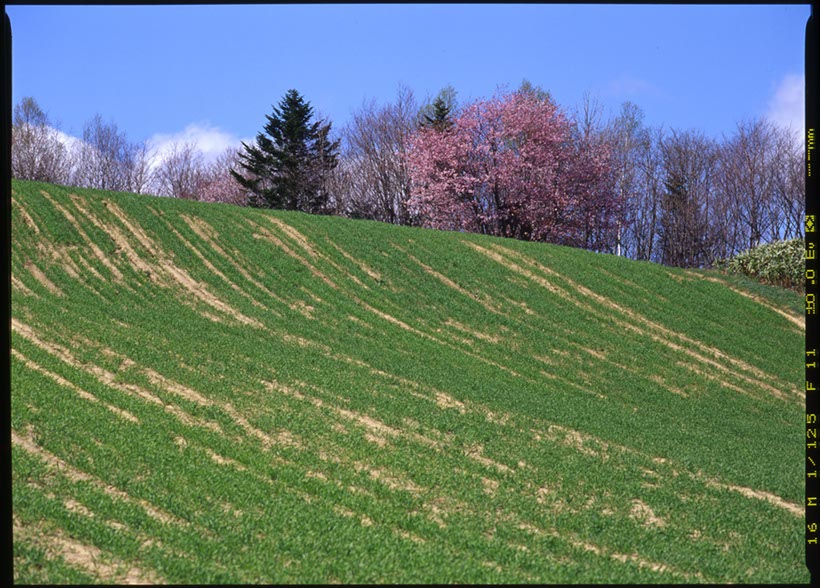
787, 107
71, 143
209, 140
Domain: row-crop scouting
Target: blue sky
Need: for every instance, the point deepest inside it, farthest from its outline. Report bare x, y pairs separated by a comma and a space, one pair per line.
211, 73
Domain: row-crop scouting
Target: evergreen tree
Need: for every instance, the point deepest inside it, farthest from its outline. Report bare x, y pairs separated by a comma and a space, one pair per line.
537, 92
439, 114
682, 228
288, 166
688, 159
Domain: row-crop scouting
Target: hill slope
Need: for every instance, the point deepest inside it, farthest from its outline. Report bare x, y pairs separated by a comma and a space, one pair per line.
203, 393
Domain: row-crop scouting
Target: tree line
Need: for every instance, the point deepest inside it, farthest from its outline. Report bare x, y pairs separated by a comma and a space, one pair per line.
105, 159
514, 165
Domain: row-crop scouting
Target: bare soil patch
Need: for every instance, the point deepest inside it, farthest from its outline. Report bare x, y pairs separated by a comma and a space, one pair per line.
392, 480
795, 509
644, 514
490, 486
208, 234
134, 228
123, 244
71, 386
657, 332
294, 235
495, 256
28, 444
267, 235
410, 536
224, 460
634, 558
478, 334
359, 263
171, 386
214, 270
60, 255
162, 270
586, 444
282, 438
83, 556
493, 308
17, 284
799, 321
109, 378
201, 291
446, 401
29, 222
77, 507
98, 253
665, 384
87, 267
38, 275
476, 452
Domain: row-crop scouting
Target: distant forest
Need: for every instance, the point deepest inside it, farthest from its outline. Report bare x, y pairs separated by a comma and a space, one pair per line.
515, 165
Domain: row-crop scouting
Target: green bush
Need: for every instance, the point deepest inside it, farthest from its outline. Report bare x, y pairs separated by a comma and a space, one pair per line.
780, 263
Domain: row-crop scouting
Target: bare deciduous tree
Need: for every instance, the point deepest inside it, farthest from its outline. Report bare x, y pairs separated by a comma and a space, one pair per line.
373, 178
676, 198
789, 182
106, 160
630, 142
603, 208
746, 177
37, 153
139, 168
180, 173
645, 221
687, 203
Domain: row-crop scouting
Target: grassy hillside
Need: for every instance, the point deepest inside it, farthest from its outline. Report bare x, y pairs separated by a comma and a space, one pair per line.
203, 393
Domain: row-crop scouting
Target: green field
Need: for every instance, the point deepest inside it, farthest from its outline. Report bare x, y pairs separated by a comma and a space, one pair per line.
204, 393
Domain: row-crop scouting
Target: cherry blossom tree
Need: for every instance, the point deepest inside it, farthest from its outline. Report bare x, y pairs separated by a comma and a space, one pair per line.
218, 184
510, 166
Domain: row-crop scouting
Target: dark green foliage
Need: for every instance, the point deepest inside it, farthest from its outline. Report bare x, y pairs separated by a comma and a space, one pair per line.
287, 167
537, 92
439, 114
682, 229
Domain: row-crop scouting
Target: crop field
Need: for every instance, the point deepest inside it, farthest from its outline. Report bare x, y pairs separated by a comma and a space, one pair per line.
209, 394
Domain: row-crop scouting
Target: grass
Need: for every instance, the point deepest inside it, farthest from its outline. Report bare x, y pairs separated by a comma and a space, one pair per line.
208, 394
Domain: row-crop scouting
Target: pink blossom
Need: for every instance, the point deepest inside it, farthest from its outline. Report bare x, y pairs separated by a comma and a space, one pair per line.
509, 167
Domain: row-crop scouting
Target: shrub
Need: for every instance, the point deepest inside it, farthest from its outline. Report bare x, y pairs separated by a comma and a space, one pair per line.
780, 263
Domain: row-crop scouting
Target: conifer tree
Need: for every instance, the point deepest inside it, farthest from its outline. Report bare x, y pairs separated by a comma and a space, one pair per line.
537, 92
439, 114
289, 163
